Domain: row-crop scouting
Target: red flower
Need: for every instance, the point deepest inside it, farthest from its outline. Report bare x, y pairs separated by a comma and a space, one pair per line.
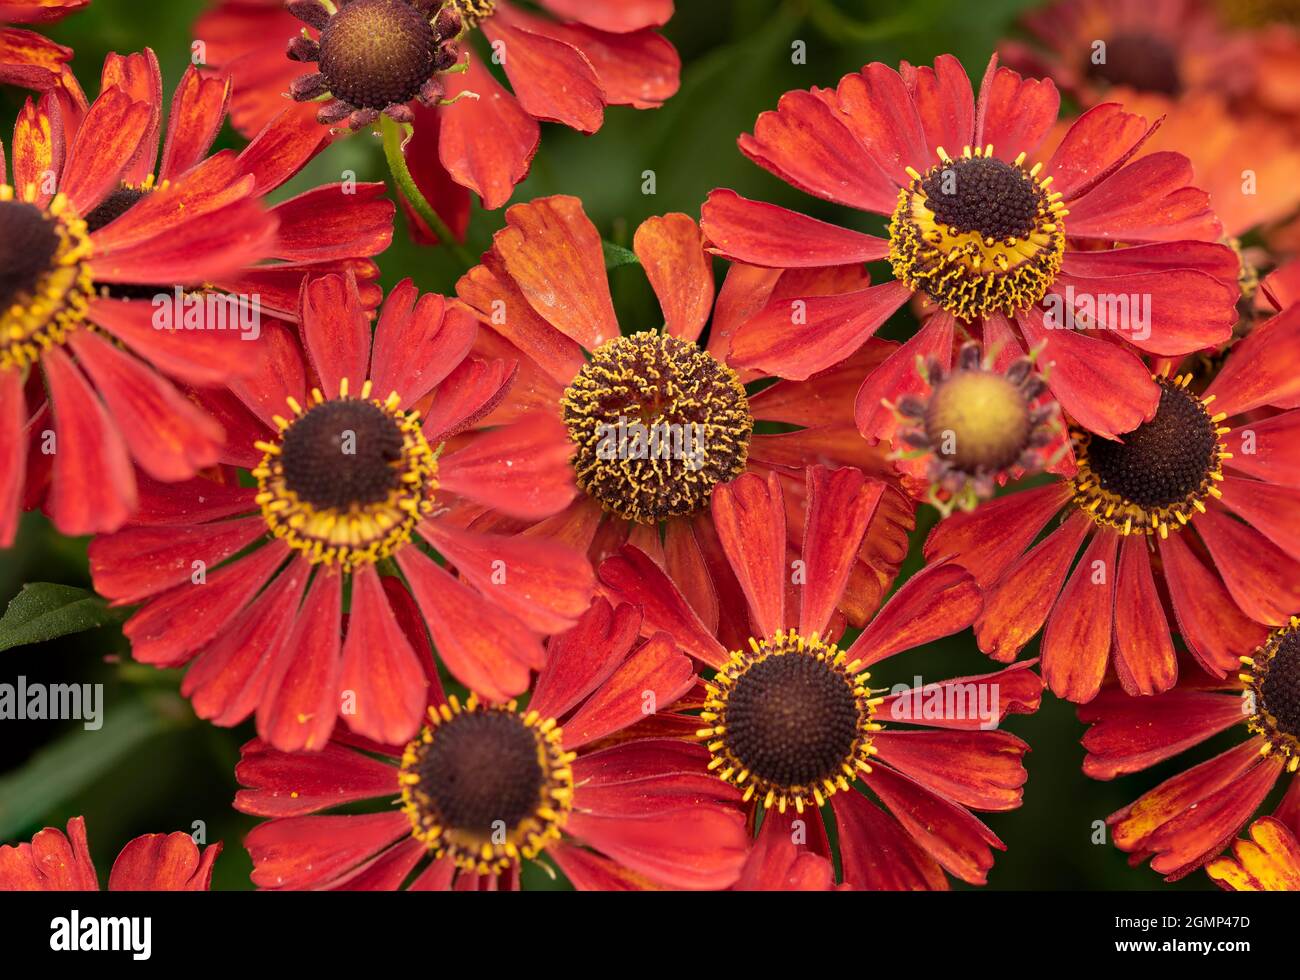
542, 296
598, 53
53, 862
1089, 221
1189, 818
62, 266
483, 788
27, 58
790, 720
347, 478
1158, 514
1268, 862
1164, 47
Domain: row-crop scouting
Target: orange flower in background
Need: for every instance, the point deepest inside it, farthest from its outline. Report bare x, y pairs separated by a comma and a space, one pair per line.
1269, 861
1200, 505
342, 433
1009, 250
486, 787
790, 720
27, 58
58, 862
1190, 817
592, 54
543, 298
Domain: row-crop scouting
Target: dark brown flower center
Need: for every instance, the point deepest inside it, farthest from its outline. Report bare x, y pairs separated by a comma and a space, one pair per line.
1139, 61
792, 720
377, 53
482, 770
1163, 461
118, 203
29, 242
658, 423
985, 195
343, 453
1280, 690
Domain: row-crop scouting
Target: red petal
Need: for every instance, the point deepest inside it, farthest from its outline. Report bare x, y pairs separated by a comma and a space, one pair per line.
337, 332
840, 506
521, 469
488, 651
163, 863
798, 338
1129, 735
486, 143
334, 221
93, 486
881, 113
306, 852
878, 854
897, 376
615, 16
981, 770
1144, 649
418, 342
1081, 367
302, 698
579, 660
986, 540
766, 235
944, 102
1268, 449
197, 111
552, 80
1017, 604
1263, 580
749, 515
1150, 200
107, 141
809, 144
1077, 641
937, 601
631, 576
671, 250
13, 454
1014, 114
700, 847
379, 667
1262, 369
1097, 144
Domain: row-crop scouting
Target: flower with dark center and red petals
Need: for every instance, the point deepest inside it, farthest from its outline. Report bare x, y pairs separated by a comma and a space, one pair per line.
1269, 861
791, 720
485, 789
986, 422
655, 420
471, 133
344, 435
59, 862
1003, 243
27, 58
1196, 512
1186, 820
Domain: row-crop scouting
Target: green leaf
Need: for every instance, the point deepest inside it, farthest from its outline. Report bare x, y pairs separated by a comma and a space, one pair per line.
57, 773
43, 611
617, 255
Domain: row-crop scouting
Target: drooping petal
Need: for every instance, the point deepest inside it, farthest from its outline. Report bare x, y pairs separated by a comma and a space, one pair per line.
766, 235
937, 601
840, 506
749, 514
1077, 641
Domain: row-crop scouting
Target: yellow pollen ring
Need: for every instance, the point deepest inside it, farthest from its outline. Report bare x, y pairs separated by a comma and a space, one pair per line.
471, 851
58, 303
362, 534
966, 273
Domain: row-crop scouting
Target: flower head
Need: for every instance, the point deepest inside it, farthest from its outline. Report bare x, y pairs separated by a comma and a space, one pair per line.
655, 420
487, 789
470, 132
1199, 504
55, 861
792, 720
1011, 246
344, 436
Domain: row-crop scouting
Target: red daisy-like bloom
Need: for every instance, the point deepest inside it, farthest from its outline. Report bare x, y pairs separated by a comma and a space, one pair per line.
1189, 818
101, 407
595, 53
27, 58
790, 719
485, 787
55, 862
1158, 514
1019, 253
342, 435
1268, 862
542, 296
1164, 47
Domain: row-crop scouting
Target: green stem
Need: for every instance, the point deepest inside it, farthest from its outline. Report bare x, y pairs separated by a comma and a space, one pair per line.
395, 134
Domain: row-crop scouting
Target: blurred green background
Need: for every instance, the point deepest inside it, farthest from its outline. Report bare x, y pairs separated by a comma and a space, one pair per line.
154, 767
